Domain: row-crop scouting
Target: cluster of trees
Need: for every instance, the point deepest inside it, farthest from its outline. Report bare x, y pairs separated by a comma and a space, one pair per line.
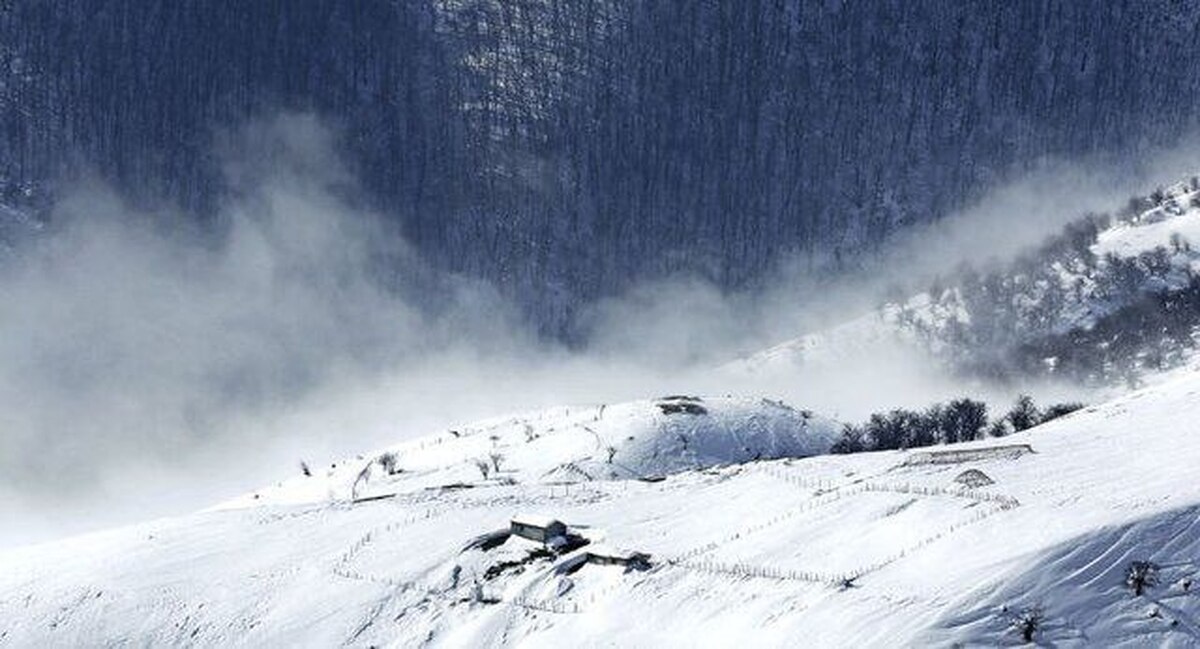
1063, 310
490, 465
1153, 332
960, 420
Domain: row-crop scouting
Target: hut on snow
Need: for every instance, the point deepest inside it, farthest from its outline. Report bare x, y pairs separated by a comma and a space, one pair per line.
537, 528
607, 556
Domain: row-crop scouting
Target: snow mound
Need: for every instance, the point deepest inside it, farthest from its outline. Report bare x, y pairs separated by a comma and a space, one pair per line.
639, 440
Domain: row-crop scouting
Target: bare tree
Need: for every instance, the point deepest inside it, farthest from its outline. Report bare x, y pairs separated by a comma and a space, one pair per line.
851, 441
610, 452
1141, 575
496, 458
485, 469
388, 462
1027, 622
1024, 414
363, 477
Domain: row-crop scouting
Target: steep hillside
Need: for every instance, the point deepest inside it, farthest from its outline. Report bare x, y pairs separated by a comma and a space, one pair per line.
933, 546
525, 140
1111, 300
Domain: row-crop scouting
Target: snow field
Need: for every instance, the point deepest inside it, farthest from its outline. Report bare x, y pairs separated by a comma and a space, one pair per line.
746, 552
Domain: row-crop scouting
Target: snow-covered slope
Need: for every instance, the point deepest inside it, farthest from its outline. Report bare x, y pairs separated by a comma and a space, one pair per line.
1045, 302
871, 335
643, 440
880, 549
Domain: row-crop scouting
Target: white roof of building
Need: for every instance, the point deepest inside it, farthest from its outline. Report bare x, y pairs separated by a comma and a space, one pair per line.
609, 551
535, 520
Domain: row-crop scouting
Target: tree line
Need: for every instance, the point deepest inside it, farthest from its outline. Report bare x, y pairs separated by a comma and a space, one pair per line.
959, 420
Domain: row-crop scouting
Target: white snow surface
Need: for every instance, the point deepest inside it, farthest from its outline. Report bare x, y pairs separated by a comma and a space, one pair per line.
569, 444
1132, 239
868, 550
875, 334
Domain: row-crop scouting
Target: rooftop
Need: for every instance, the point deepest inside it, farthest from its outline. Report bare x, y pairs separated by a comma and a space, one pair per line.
535, 520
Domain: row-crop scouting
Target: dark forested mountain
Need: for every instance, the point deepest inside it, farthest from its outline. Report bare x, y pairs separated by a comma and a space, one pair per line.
564, 148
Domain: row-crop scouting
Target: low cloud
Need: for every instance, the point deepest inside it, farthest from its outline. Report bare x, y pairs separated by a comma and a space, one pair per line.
149, 366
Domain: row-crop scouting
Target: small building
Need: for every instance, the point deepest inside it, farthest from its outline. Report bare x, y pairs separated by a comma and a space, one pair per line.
955, 456
681, 404
537, 528
974, 478
684, 407
606, 556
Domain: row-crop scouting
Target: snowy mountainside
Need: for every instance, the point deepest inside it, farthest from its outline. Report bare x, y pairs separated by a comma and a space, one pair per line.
1153, 228
1111, 299
864, 336
637, 440
879, 549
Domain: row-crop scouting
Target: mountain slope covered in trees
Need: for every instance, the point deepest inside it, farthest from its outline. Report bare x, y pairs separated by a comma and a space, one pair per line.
1112, 299
564, 149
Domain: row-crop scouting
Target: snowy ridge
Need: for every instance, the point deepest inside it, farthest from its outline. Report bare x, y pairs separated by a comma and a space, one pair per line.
637, 440
862, 337
878, 549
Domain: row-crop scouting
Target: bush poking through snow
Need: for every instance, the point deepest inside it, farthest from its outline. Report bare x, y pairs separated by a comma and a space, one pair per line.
1141, 575
1027, 622
388, 462
485, 469
305, 470
1024, 414
851, 441
1060, 410
999, 428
